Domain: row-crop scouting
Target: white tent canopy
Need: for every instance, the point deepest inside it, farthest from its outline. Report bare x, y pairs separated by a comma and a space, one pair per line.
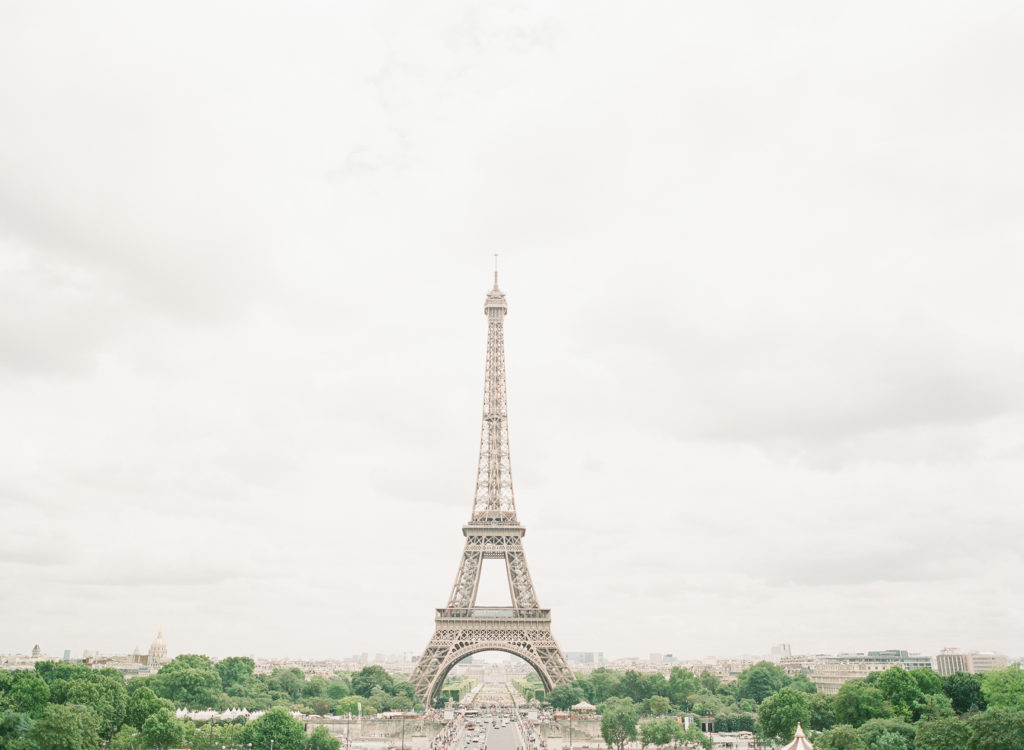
584, 706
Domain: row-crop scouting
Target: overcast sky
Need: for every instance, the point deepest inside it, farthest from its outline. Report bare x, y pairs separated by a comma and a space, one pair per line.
764, 269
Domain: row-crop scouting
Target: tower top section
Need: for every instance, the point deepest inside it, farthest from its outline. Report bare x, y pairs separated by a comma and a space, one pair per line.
493, 501
495, 298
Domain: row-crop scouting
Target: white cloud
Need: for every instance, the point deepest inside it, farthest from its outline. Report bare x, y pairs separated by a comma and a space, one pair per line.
763, 270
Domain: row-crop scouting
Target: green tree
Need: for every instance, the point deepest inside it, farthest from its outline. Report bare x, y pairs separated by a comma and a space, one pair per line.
948, 733
857, 702
694, 735
288, 682
634, 686
779, 713
964, 690
891, 741
656, 684
106, 695
380, 698
563, 697
656, 705
276, 724
338, 688
367, 678
13, 725
872, 730
682, 683
935, 706
603, 683
189, 680
61, 670
618, 722
235, 670
28, 693
253, 694
163, 730
760, 681
927, 680
315, 687
142, 704
803, 683
900, 688
1004, 688
320, 739
842, 737
705, 703
659, 732
64, 728
709, 682
403, 687
353, 704
822, 715
127, 738
997, 728
318, 706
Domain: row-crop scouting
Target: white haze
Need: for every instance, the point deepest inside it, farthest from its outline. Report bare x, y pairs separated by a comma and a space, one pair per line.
764, 269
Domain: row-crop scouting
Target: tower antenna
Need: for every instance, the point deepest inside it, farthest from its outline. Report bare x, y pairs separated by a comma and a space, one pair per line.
495, 270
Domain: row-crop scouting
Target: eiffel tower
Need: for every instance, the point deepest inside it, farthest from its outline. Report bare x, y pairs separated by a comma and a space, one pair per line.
493, 532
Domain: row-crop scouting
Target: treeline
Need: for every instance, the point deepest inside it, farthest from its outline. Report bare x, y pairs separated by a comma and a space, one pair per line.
890, 710
734, 704
196, 682
901, 710
73, 706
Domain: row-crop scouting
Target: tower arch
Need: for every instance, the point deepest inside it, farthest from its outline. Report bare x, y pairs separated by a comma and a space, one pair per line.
456, 656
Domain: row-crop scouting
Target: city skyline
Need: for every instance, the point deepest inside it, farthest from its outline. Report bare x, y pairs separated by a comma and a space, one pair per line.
763, 339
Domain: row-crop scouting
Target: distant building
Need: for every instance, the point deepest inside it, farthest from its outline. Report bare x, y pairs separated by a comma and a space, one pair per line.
951, 660
158, 650
585, 660
781, 651
36, 651
830, 675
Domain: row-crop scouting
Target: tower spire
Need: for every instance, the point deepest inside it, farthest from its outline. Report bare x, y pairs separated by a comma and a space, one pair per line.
493, 500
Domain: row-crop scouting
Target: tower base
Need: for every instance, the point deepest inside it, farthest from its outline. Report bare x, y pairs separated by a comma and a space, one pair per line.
459, 633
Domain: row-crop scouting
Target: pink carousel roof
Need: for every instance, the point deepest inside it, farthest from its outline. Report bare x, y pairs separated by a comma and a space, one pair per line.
799, 741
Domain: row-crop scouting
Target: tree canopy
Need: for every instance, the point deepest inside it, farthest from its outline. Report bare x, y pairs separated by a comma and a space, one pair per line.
566, 696
278, 725
780, 713
618, 722
1004, 688
857, 702
63, 728
964, 690
761, 681
901, 690
162, 730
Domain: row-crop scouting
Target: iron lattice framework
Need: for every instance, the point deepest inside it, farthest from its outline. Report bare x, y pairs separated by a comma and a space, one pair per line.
493, 532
